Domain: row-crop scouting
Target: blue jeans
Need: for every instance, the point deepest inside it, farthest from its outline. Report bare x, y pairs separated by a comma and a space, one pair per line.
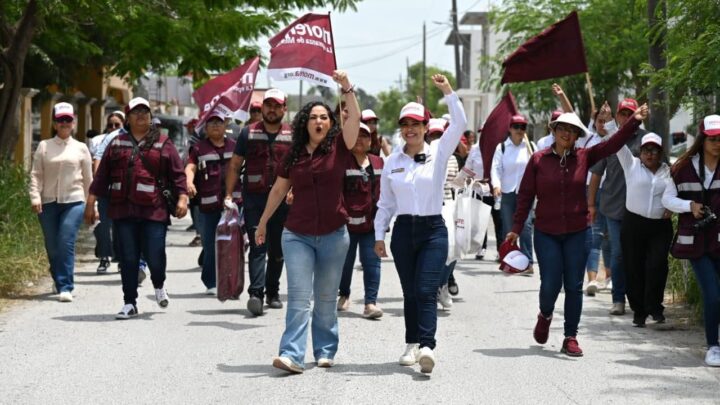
616, 260
260, 279
314, 268
207, 224
60, 224
370, 263
141, 237
599, 242
562, 261
508, 205
707, 272
103, 240
420, 248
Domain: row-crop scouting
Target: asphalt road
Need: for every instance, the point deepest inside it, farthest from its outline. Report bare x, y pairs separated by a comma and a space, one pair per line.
200, 351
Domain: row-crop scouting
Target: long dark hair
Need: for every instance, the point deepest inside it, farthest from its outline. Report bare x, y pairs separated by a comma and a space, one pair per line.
695, 149
301, 137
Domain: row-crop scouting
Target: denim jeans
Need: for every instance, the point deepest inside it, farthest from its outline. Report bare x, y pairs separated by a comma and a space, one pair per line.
419, 247
370, 263
103, 239
141, 237
207, 224
60, 224
508, 205
314, 269
707, 273
616, 260
599, 242
260, 278
562, 261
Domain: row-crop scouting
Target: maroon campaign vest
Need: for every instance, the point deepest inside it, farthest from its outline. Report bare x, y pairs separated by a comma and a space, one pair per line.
361, 194
210, 177
130, 180
264, 156
689, 244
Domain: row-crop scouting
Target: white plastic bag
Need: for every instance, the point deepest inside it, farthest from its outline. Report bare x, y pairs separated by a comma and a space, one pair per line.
471, 222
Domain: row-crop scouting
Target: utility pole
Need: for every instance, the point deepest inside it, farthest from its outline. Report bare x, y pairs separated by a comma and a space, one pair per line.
424, 66
657, 98
456, 35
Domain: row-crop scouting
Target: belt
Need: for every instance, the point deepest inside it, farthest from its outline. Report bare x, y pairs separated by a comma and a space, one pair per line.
407, 218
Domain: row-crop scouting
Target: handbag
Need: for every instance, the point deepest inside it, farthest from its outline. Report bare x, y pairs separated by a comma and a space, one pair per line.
472, 217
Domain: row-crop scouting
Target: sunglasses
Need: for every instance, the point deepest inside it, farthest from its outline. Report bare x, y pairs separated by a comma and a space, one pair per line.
64, 120
115, 125
518, 126
650, 151
140, 111
713, 139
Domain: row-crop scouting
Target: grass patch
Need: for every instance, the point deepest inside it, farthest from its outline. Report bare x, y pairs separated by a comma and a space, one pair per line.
21, 242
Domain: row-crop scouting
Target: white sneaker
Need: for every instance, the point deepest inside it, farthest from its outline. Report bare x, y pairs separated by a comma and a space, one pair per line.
444, 298
65, 296
128, 311
409, 358
426, 360
284, 363
712, 357
325, 363
608, 285
211, 291
162, 298
592, 288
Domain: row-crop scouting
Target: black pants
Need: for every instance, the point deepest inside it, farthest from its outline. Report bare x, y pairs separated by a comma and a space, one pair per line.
497, 221
645, 246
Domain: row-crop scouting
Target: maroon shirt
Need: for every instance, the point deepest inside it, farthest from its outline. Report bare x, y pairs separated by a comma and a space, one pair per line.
173, 170
561, 191
317, 186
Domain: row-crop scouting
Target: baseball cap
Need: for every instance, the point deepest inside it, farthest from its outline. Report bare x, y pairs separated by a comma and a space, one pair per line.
276, 95
518, 119
506, 247
555, 114
368, 115
710, 125
63, 110
255, 105
446, 117
136, 102
628, 104
436, 125
413, 110
365, 128
119, 113
215, 114
514, 262
652, 138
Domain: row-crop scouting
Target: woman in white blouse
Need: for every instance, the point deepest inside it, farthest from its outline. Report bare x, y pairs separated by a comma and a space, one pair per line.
59, 183
647, 230
412, 188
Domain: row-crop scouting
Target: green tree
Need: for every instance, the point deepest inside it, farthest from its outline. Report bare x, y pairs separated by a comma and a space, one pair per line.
52, 38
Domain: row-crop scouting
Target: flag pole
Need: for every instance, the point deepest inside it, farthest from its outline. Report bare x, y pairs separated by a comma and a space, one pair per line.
590, 93
332, 39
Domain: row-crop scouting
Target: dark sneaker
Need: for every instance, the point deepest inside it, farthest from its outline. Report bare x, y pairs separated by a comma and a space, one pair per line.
453, 287
571, 347
255, 305
128, 311
542, 329
274, 302
103, 266
658, 318
639, 320
195, 242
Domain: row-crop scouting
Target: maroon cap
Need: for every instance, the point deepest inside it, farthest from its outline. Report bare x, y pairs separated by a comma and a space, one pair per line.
628, 104
555, 114
255, 105
518, 119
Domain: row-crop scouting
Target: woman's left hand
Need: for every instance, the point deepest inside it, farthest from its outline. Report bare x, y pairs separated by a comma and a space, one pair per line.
181, 208
341, 78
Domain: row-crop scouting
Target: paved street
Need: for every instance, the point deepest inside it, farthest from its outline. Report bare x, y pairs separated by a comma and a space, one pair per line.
201, 351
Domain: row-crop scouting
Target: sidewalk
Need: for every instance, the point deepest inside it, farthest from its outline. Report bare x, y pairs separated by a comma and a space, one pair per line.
200, 351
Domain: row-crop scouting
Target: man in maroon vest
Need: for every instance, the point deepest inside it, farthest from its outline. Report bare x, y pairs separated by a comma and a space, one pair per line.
261, 147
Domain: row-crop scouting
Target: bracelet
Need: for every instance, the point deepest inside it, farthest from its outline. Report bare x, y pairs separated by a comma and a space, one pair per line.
350, 90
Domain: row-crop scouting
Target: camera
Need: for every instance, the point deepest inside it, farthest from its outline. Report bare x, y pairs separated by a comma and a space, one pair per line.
708, 218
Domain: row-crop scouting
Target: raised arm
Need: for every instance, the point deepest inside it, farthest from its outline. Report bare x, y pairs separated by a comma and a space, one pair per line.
560, 94
351, 127
612, 145
458, 121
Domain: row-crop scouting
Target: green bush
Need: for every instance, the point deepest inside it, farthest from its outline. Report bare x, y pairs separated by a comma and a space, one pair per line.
22, 250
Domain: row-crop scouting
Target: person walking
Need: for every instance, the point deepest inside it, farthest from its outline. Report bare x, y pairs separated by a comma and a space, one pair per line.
205, 172
647, 230
361, 194
694, 193
59, 182
411, 189
137, 169
556, 177
315, 239
261, 147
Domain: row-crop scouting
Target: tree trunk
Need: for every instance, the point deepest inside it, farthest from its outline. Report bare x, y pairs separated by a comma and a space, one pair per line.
12, 60
657, 98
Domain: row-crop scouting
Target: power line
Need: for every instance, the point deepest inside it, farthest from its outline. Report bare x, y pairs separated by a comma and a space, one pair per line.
391, 53
389, 41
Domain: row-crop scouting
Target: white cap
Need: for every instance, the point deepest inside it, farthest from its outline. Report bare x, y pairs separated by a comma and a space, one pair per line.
515, 262
711, 125
136, 102
651, 138
276, 95
63, 110
120, 113
572, 119
367, 115
365, 128
446, 117
413, 110
436, 124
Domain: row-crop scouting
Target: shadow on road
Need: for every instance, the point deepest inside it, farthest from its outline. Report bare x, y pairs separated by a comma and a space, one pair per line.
225, 325
100, 281
513, 352
102, 317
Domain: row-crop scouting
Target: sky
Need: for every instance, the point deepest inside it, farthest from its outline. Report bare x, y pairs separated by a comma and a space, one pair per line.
374, 43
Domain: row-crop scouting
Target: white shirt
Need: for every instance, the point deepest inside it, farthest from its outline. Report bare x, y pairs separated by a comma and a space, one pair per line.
670, 198
644, 188
508, 167
413, 188
545, 142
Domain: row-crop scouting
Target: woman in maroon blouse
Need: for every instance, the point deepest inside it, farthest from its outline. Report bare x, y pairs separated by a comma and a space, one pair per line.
315, 239
556, 177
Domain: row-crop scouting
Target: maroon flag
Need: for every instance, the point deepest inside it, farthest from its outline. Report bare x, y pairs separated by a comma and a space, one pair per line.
557, 51
304, 51
495, 130
229, 93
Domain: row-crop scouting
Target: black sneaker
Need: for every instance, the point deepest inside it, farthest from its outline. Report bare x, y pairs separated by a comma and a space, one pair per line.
255, 305
128, 311
658, 318
274, 302
103, 266
639, 320
453, 287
